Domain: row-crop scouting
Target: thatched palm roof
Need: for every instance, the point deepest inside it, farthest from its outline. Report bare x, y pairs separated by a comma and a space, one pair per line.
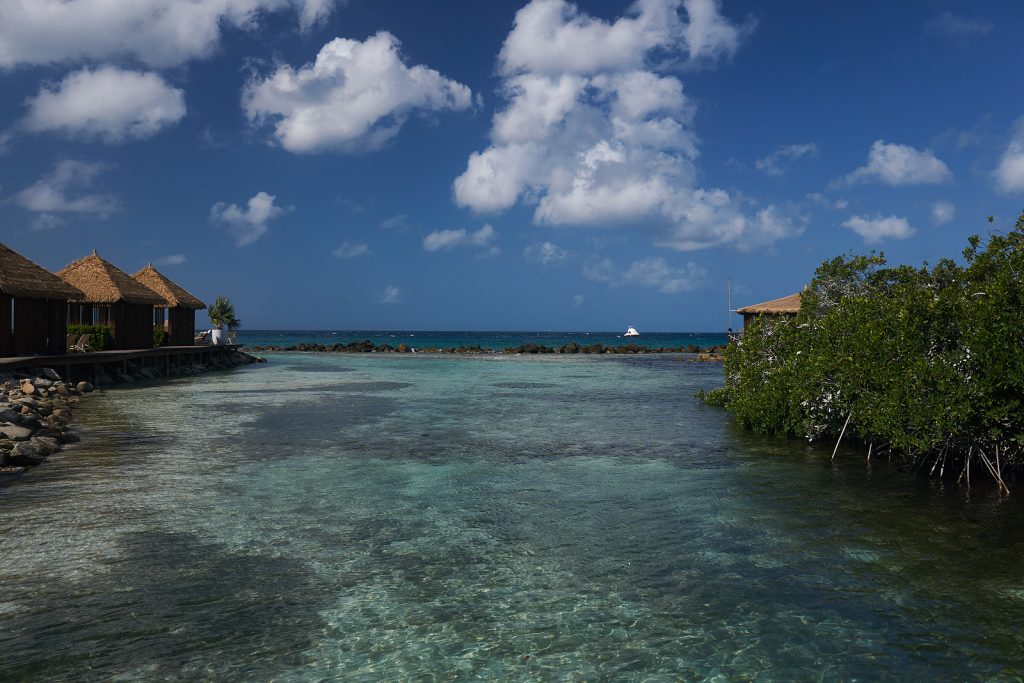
103, 283
787, 304
23, 278
175, 296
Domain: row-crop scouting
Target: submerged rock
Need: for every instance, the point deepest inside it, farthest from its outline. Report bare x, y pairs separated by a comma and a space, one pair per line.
11, 472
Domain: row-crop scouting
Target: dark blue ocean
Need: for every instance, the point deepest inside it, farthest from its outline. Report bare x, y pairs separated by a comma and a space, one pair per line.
488, 340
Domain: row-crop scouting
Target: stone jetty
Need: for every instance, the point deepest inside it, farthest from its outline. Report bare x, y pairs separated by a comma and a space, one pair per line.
37, 404
367, 346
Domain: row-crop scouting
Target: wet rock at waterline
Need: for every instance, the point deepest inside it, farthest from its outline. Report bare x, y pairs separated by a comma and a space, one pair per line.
36, 407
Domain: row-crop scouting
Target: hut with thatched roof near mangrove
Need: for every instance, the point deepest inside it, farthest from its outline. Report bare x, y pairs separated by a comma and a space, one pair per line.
787, 305
177, 314
112, 298
33, 307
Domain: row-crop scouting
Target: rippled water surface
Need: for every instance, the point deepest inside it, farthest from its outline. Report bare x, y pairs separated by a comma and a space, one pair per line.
574, 518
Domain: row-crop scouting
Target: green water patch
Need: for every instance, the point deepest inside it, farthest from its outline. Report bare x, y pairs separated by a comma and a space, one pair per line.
169, 606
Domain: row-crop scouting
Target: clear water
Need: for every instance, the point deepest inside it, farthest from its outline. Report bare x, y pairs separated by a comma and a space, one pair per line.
488, 518
487, 340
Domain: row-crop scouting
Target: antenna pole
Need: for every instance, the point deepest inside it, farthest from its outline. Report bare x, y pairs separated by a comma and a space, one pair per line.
728, 313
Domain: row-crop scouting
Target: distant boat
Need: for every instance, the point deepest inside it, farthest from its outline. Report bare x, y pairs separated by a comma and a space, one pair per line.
631, 332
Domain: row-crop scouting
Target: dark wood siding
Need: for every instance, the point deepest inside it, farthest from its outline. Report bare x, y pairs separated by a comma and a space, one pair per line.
6, 339
40, 326
181, 326
131, 325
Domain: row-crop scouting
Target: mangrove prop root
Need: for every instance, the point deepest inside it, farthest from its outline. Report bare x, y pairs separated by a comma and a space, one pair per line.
992, 470
840, 439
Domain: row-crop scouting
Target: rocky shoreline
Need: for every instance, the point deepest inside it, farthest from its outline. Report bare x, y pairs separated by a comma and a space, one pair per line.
37, 404
366, 346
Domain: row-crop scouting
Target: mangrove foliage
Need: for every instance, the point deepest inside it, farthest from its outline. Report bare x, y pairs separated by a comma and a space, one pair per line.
921, 364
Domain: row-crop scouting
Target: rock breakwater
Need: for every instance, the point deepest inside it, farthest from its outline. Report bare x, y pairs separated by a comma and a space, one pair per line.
366, 346
35, 412
37, 404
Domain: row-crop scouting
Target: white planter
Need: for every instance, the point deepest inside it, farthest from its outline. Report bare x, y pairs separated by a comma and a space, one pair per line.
217, 337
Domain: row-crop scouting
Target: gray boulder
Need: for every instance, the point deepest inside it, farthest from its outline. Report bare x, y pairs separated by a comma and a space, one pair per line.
44, 445
23, 455
15, 432
50, 374
84, 387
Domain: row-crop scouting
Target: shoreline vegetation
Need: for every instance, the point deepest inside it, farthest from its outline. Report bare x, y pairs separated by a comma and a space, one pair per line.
37, 404
924, 366
709, 353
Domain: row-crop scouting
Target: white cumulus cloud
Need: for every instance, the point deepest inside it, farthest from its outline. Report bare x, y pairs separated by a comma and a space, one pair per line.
821, 200
399, 222
595, 133
545, 253
443, 240
943, 212
250, 223
877, 229
956, 27
160, 33
775, 164
391, 295
895, 165
651, 272
554, 37
106, 103
356, 95
351, 250
1010, 172
172, 260
61, 191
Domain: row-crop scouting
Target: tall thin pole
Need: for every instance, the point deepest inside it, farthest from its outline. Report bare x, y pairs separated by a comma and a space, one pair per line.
728, 314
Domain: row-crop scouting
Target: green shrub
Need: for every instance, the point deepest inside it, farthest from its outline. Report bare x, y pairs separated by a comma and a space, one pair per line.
99, 335
160, 336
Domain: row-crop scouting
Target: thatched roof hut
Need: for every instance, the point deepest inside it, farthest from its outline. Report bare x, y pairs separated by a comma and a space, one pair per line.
787, 305
181, 306
104, 283
115, 299
39, 302
174, 295
22, 278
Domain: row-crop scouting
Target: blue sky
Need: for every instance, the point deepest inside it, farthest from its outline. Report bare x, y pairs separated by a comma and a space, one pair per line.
504, 165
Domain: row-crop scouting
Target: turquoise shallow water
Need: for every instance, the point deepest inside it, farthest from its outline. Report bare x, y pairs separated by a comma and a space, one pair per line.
487, 518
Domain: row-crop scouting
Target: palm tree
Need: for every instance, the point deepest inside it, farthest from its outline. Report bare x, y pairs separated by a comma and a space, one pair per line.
222, 314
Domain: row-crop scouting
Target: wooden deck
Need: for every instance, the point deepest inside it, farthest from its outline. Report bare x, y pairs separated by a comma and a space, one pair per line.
89, 364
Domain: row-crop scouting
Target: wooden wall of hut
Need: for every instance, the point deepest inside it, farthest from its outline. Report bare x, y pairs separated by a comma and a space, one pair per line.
39, 326
131, 325
6, 336
181, 326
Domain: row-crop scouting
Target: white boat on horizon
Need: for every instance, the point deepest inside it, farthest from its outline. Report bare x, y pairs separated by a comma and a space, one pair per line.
631, 332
